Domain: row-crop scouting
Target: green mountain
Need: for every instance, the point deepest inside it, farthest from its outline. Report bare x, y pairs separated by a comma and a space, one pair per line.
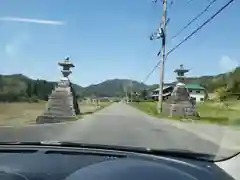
18, 87
114, 88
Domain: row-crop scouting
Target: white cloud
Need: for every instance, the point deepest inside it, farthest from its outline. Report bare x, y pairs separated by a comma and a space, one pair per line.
28, 20
228, 64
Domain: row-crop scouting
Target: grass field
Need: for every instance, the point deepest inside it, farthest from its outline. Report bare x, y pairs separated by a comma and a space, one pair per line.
25, 113
210, 112
220, 113
20, 113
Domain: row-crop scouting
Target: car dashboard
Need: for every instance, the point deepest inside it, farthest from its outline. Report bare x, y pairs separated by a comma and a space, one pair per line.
60, 163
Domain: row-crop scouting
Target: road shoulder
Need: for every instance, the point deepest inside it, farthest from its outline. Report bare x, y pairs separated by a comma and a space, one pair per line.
223, 136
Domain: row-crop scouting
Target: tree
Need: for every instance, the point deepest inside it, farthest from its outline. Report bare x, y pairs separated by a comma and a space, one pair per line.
234, 88
144, 94
29, 89
135, 97
75, 103
1, 83
35, 88
221, 93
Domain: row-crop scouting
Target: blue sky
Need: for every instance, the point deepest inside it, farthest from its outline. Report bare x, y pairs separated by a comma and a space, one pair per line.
110, 38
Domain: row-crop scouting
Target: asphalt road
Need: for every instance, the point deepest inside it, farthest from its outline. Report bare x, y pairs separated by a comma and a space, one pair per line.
118, 124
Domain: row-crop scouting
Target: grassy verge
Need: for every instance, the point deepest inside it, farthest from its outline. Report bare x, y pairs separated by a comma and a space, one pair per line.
26, 113
91, 108
148, 107
210, 112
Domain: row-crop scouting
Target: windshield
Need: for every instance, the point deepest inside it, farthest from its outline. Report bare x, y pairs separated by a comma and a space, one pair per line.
156, 74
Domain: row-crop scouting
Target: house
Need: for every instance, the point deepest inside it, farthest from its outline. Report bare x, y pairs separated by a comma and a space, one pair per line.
196, 92
167, 90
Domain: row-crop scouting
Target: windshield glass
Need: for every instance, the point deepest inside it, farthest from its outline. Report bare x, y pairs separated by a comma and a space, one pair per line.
152, 74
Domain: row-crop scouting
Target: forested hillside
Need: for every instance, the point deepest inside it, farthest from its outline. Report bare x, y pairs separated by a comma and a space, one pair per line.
18, 87
114, 88
21, 88
230, 81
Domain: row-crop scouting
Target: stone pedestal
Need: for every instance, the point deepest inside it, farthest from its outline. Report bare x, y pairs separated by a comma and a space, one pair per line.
179, 103
60, 106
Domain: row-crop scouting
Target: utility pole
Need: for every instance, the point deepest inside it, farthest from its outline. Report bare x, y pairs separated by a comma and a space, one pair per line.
163, 35
126, 94
126, 97
130, 91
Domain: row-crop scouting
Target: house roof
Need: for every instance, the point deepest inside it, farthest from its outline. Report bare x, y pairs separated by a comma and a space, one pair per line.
189, 86
194, 86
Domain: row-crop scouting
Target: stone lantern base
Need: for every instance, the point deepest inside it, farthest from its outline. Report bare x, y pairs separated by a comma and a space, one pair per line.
61, 106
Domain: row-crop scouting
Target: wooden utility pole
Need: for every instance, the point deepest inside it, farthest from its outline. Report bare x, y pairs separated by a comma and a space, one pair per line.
126, 93
130, 91
163, 34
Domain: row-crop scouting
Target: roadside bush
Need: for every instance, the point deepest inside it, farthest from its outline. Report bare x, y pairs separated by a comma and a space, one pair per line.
33, 99
24, 99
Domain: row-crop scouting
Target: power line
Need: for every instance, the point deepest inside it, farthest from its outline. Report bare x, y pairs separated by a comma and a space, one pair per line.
189, 36
149, 74
200, 27
194, 19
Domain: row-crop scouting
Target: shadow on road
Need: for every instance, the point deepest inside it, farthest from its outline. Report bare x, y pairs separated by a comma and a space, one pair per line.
86, 113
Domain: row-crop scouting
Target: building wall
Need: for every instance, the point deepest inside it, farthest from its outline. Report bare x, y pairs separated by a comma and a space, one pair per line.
198, 95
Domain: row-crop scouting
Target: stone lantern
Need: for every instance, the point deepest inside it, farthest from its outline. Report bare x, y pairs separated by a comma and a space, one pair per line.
62, 103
